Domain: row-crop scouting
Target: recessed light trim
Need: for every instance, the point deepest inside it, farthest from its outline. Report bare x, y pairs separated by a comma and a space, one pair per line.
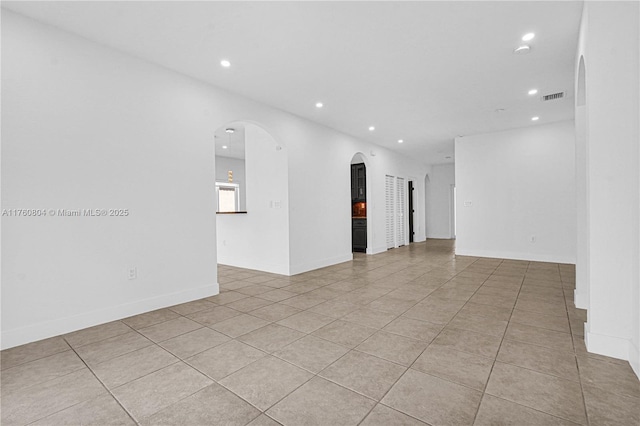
319, 104
522, 50
528, 36
533, 91
535, 118
225, 63
230, 130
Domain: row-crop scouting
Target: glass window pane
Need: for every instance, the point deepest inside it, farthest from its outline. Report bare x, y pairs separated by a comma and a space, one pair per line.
227, 199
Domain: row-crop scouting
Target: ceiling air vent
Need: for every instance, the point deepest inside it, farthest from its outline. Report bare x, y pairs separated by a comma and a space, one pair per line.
553, 96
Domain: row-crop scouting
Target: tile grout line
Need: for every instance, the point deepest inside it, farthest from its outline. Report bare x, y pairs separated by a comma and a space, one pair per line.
484, 389
575, 354
552, 375
406, 265
153, 343
103, 385
409, 367
314, 375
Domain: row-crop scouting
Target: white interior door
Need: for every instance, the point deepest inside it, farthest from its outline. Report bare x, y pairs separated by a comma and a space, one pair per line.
389, 210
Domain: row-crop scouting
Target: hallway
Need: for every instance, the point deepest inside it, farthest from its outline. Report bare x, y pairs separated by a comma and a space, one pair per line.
414, 335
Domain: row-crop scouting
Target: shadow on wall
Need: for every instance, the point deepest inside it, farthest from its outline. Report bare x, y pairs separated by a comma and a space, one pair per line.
258, 239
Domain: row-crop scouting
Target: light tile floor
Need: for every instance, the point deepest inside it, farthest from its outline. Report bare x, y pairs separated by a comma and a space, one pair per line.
412, 336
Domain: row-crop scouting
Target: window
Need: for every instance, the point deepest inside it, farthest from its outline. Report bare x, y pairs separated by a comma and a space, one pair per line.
228, 197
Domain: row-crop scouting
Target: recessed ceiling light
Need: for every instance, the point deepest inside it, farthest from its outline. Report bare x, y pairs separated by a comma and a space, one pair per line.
535, 118
400, 141
371, 128
533, 91
229, 130
447, 157
224, 147
522, 50
528, 36
319, 104
225, 63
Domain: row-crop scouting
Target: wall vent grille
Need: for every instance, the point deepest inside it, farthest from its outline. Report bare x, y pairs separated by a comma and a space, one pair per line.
553, 96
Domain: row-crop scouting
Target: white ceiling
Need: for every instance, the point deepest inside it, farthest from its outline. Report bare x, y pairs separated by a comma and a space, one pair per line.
423, 72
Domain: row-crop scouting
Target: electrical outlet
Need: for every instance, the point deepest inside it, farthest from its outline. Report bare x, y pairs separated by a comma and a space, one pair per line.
133, 273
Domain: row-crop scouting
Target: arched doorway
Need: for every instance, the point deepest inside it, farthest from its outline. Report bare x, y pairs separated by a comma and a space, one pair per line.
252, 186
359, 228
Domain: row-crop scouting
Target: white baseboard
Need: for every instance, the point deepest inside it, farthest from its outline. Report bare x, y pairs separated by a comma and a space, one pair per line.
535, 257
602, 344
43, 330
310, 266
581, 300
634, 358
255, 264
446, 236
376, 250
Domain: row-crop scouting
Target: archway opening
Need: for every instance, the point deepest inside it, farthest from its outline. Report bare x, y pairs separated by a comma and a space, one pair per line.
359, 226
252, 191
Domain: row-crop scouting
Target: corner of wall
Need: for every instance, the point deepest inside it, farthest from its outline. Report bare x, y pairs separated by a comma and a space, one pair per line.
634, 358
580, 299
320, 263
602, 344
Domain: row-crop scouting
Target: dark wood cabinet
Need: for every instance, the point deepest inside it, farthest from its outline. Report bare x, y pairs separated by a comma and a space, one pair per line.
359, 207
359, 235
358, 183
354, 189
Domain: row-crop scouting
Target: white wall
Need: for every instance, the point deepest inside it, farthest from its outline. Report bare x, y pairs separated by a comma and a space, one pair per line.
520, 183
85, 126
237, 166
320, 195
581, 294
439, 200
609, 43
260, 238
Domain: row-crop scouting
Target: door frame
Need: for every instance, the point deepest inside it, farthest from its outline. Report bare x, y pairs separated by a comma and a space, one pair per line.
452, 211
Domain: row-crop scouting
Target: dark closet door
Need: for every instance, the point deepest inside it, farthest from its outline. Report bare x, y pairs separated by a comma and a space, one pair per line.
411, 211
